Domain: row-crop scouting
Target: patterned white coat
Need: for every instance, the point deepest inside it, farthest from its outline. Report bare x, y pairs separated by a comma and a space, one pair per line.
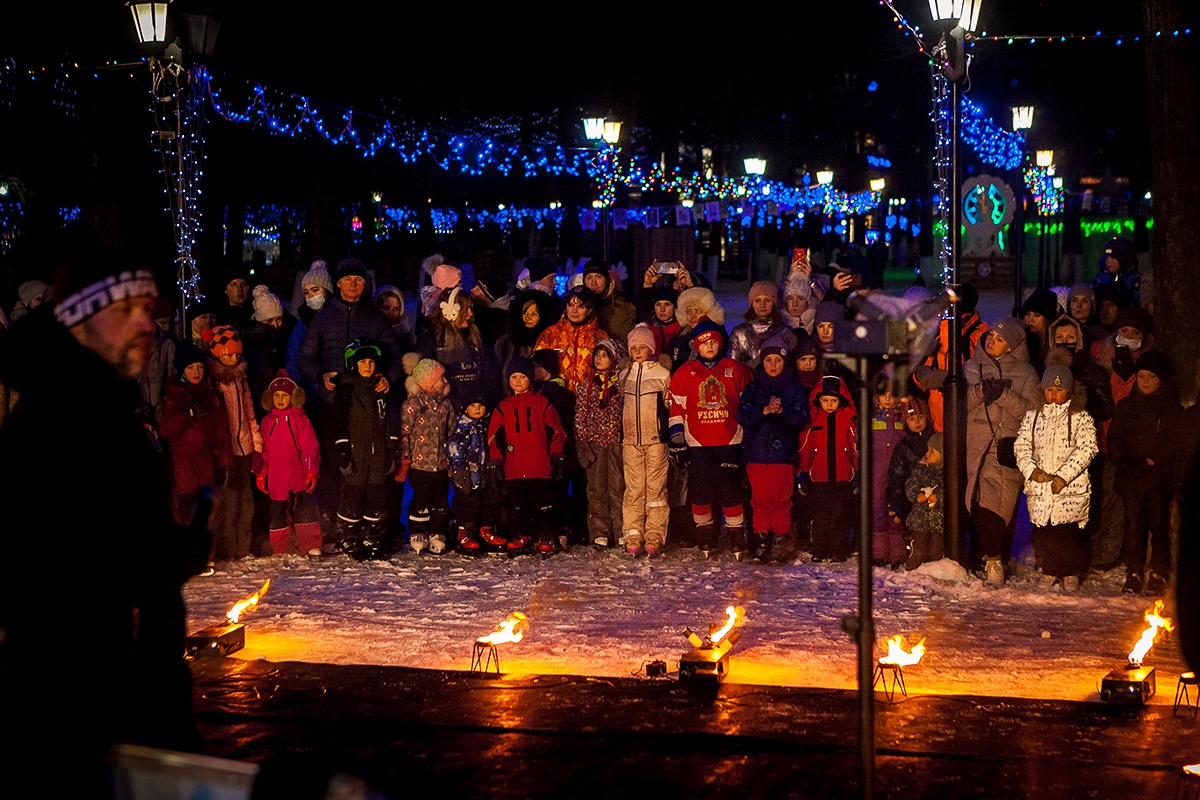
1061, 441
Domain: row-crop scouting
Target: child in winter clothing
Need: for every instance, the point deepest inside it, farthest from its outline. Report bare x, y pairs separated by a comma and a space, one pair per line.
196, 432
525, 442
1054, 446
925, 521
805, 358
887, 431
365, 451
705, 393
474, 502
828, 468
548, 382
772, 412
291, 463
598, 443
645, 387
911, 449
425, 424
234, 507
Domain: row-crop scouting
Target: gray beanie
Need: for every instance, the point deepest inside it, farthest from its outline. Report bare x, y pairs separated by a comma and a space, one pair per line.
319, 275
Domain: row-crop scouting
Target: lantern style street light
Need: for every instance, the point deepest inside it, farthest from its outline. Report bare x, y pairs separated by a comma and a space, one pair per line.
1022, 120
599, 129
150, 23
755, 169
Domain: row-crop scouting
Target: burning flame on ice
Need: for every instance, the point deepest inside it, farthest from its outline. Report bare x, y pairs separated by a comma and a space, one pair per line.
511, 630
1147, 640
736, 617
247, 605
897, 655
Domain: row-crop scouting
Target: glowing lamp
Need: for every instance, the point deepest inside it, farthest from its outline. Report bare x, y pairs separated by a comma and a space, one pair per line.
963, 12
1045, 158
755, 166
150, 21
824, 177
877, 184
593, 128
1022, 117
612, 132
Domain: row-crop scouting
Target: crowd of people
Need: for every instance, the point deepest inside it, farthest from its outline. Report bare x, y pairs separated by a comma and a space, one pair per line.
642, 420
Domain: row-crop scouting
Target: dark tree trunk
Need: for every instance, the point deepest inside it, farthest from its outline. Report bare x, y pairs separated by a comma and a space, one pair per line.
1173, 88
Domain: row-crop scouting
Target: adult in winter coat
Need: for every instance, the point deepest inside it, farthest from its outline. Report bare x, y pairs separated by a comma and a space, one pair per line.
1001, 386
574, 336
1054, 446
1144, 443
763, 321
530, 313
614, 314
451, 337
657, 306
694, 303
195, 429
119, 559
347, 315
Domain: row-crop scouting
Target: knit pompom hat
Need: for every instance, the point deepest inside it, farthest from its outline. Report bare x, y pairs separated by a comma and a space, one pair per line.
641, 334
936, 442
266, 305
426, 373
774, 346
283, 383
446, 276
223, 340
318, 275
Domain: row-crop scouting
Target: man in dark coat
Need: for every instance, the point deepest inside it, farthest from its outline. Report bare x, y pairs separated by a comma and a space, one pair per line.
92, 650
348, 315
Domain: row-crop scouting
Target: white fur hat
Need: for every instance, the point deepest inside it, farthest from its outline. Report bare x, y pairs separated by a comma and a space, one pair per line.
266, 305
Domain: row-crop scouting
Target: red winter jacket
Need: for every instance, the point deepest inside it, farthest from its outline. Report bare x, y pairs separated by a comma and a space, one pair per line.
524, 433
290, 451
829, 445
194, 424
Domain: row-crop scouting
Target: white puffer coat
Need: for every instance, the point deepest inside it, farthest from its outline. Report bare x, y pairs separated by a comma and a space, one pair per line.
1061, 440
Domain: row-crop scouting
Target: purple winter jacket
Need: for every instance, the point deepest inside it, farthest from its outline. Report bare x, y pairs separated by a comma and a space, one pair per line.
290, 451
887, 431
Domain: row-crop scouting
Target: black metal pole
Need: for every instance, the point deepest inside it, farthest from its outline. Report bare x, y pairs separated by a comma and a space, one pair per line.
954, 409
1018, 244
866, 619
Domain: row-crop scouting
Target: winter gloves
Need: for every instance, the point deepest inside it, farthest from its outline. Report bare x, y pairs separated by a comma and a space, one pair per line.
991, 388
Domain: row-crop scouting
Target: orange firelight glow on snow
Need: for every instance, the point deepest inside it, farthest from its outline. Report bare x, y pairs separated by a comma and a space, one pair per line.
736, 617
1146, 641
511, 630
249, 604
897, 655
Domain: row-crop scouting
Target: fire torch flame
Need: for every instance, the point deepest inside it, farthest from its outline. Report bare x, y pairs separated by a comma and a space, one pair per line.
898, 656
736, 617
511, 630
1156, 621
247, 605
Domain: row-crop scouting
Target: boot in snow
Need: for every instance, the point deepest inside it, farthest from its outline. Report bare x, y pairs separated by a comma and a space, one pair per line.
737, 542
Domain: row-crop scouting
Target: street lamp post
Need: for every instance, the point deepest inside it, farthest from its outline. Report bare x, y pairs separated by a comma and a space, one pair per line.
598, 129
755, 168
1045, 160
1022, 120
176, 92
825, 181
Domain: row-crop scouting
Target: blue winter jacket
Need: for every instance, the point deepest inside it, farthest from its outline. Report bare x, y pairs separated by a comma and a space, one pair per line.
772, 438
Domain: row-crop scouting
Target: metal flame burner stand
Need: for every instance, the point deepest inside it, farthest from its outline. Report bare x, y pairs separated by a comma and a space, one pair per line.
897, 676
485, 657
1131, 685
215, 640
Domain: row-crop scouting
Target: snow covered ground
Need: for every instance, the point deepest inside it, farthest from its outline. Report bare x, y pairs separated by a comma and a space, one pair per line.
605, 614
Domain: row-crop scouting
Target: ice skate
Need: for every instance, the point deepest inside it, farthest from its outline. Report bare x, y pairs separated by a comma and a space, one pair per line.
419, 542
652, 550
467, 543
783, 549
706, 539
737, 542
437, 543
993, 573
491, 542
760, 547
517, 545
